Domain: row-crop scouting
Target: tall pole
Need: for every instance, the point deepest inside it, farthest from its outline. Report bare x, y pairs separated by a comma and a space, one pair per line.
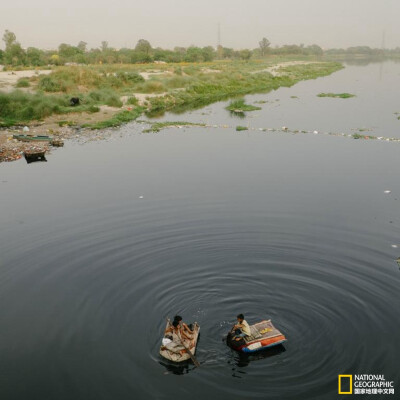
219, 47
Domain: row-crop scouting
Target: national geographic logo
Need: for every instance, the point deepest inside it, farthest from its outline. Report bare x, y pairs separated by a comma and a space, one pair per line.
364, 384
345, 381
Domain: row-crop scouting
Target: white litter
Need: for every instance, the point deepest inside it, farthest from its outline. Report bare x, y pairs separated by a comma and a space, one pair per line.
26, 129
387, 191
315, 132
395, 246
166, 341
141, 197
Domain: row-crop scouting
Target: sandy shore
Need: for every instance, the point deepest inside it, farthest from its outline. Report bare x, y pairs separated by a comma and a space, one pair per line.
8, 79
274, 70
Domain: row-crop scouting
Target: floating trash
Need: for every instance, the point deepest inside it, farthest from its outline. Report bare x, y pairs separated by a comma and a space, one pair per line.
395, 246
141, 197
387, 191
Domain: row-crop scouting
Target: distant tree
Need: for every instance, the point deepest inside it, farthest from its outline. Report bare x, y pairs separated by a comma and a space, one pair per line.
227, 52
1, 56
55, 59
34, 56
14, 54
315, 50
245, 54
143, 46
264, 46
208, 53
194, 54
82, 46
180, 50
104, 45
67, 51
9, 38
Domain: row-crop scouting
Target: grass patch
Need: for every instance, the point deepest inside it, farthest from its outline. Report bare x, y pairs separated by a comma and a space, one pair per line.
358, 136
241, 106
93, 109
118, 119
66, 123
132, 101
337, 95
242, 128
20, 106
22, 83
157, 126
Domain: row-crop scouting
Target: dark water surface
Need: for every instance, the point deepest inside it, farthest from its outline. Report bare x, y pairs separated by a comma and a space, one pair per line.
296, 228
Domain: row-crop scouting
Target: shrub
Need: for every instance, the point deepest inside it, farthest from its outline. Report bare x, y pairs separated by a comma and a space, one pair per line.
132, 101
48, 84
22, 83
113, 101
152, 86
20, 106
93, 109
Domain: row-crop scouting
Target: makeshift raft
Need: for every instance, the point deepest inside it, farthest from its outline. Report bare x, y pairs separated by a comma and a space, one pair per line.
176, 352
31, 138
263, 335
35, 155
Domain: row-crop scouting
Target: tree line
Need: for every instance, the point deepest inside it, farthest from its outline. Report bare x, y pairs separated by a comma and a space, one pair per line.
15, 55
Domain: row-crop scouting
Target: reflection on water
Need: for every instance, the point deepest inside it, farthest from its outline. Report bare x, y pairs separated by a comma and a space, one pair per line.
242, 360
177, 368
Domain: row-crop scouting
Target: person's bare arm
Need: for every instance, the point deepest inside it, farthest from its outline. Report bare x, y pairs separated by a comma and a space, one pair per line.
186, 327
168, 330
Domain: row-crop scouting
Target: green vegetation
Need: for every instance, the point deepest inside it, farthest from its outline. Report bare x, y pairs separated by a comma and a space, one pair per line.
337, 95
157, 126
18, 107
73, 79
93, 109
240, 106
234, 79
118, 119
66, 123
132, 101
22, 83
358, 136
176, 89
242, 128
15, 55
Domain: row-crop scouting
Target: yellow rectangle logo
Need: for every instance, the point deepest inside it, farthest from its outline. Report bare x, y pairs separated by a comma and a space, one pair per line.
340, 384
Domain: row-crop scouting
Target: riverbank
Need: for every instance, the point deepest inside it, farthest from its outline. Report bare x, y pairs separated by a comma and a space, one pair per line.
113, 95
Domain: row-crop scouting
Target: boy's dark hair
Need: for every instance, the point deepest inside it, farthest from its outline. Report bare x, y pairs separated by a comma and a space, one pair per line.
177, 318
240, 316
175, 323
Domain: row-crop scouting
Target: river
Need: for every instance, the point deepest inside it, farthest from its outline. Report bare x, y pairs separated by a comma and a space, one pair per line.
104, 241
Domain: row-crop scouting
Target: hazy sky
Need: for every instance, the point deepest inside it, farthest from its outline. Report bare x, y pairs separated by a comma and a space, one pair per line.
169, 23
